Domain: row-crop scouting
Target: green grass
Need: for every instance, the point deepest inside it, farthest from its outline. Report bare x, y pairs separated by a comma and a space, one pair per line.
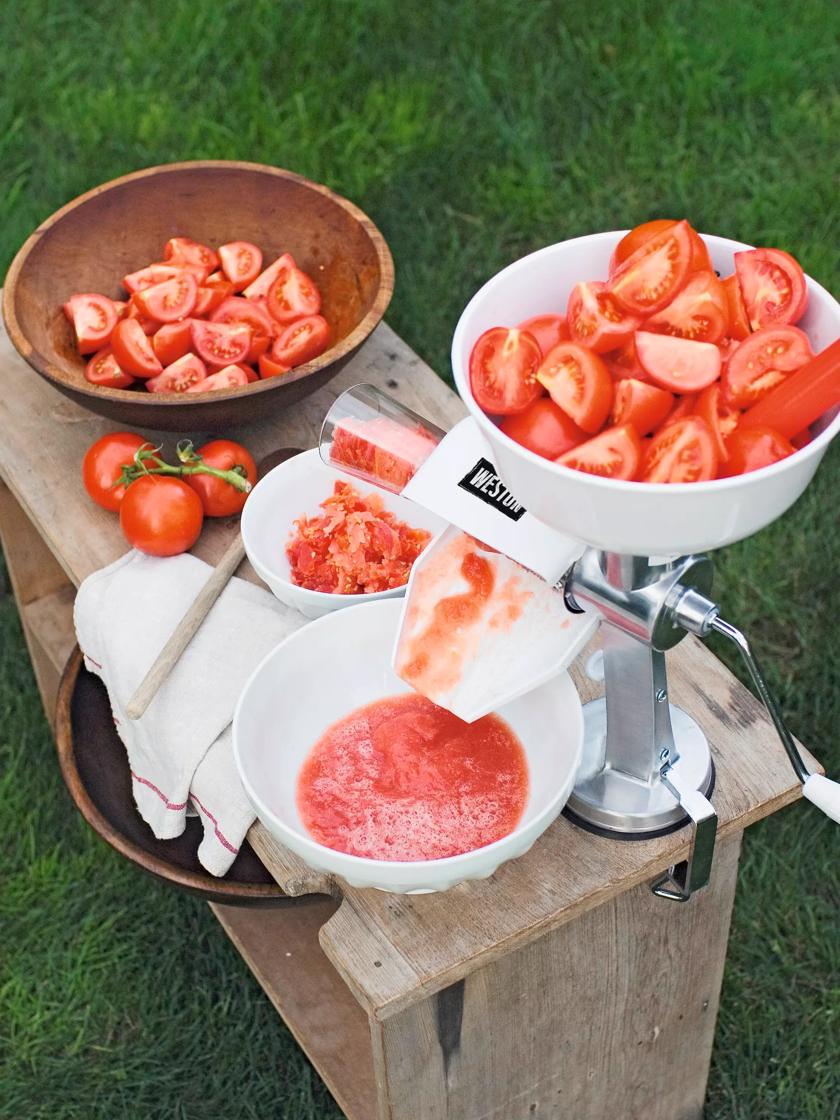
471, 134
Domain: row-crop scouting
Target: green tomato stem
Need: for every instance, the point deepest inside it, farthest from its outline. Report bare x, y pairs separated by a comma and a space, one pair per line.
147, 461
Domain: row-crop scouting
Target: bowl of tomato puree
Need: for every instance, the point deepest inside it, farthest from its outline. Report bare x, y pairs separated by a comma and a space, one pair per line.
364, 778
317, 538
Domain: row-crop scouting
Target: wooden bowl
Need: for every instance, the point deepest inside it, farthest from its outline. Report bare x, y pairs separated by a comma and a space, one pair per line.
94, 765
91, 243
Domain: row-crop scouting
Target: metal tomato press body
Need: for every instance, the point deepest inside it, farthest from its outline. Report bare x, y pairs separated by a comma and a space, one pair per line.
647, 768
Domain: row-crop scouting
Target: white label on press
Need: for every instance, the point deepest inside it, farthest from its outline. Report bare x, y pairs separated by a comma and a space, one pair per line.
459, 482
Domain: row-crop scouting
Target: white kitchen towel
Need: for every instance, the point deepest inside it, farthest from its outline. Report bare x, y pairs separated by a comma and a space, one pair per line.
180, 750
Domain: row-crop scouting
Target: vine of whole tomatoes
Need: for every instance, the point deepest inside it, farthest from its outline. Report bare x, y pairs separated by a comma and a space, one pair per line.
162, 506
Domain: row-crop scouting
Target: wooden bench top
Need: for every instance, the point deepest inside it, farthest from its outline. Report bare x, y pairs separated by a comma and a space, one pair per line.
393, 951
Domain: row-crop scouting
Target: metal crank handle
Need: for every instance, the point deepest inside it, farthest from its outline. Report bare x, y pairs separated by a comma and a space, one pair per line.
700, 615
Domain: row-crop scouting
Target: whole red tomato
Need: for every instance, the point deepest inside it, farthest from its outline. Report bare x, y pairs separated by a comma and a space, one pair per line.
102, 466
219, 498
161, 515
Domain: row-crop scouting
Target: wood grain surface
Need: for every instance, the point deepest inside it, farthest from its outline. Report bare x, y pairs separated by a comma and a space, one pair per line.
609, 1018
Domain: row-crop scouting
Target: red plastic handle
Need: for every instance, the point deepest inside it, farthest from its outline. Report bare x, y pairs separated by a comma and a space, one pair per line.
802, 398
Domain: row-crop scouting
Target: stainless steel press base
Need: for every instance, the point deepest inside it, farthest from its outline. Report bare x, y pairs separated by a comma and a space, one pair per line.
611, 800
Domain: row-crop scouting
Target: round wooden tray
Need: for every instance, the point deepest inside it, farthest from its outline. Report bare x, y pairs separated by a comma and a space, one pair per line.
94, 765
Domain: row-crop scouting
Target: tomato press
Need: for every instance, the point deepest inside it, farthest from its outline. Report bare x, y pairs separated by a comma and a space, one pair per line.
647, 768
633, 557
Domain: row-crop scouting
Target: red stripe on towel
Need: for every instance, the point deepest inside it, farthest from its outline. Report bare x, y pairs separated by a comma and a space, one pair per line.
222, 839
169, 804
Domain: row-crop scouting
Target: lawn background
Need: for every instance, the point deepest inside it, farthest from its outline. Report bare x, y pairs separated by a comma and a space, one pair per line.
471, 133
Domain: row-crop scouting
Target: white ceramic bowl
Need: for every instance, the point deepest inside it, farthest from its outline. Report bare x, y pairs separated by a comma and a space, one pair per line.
641, 519
292, 489
327, 669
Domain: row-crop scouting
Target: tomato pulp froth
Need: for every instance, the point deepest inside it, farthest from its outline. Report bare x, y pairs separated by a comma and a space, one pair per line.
402, 779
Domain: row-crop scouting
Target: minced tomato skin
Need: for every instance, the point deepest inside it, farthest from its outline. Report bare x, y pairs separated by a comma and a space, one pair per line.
354, 547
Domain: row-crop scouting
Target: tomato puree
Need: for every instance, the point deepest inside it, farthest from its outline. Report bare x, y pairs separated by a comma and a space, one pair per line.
402, 779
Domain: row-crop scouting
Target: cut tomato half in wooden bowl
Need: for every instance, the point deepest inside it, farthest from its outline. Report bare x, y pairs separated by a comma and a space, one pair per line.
116, 229
679, 511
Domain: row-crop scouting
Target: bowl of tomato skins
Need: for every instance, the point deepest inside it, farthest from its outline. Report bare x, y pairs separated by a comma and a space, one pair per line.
653, 392
197, 296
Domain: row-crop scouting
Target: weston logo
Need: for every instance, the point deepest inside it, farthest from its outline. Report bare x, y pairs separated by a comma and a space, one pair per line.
483, 482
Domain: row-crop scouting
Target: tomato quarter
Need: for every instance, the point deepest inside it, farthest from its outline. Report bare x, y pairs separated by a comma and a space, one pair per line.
137, 312
221, 344
149, 276
103, 463
269, 368
548, 330
683, 406
181, 375
239, 310
699, 312
681, 452
219, 498
302, 341
172, 341
186, 252
721, 417
678, 364
772, 285
544, 429
640, 404
596, 320
103, 369
652, 276
259, 288
503, 367
241, 263
93, 317
615, 453
700, 259
231, 377
171, 300
292, 295
750, 449
133, 350
739, 324
212, 294
161, 515
579, 383
763, 361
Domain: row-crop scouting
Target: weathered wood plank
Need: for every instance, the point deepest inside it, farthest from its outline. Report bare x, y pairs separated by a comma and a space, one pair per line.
610, 1016
50, 619
41, 589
